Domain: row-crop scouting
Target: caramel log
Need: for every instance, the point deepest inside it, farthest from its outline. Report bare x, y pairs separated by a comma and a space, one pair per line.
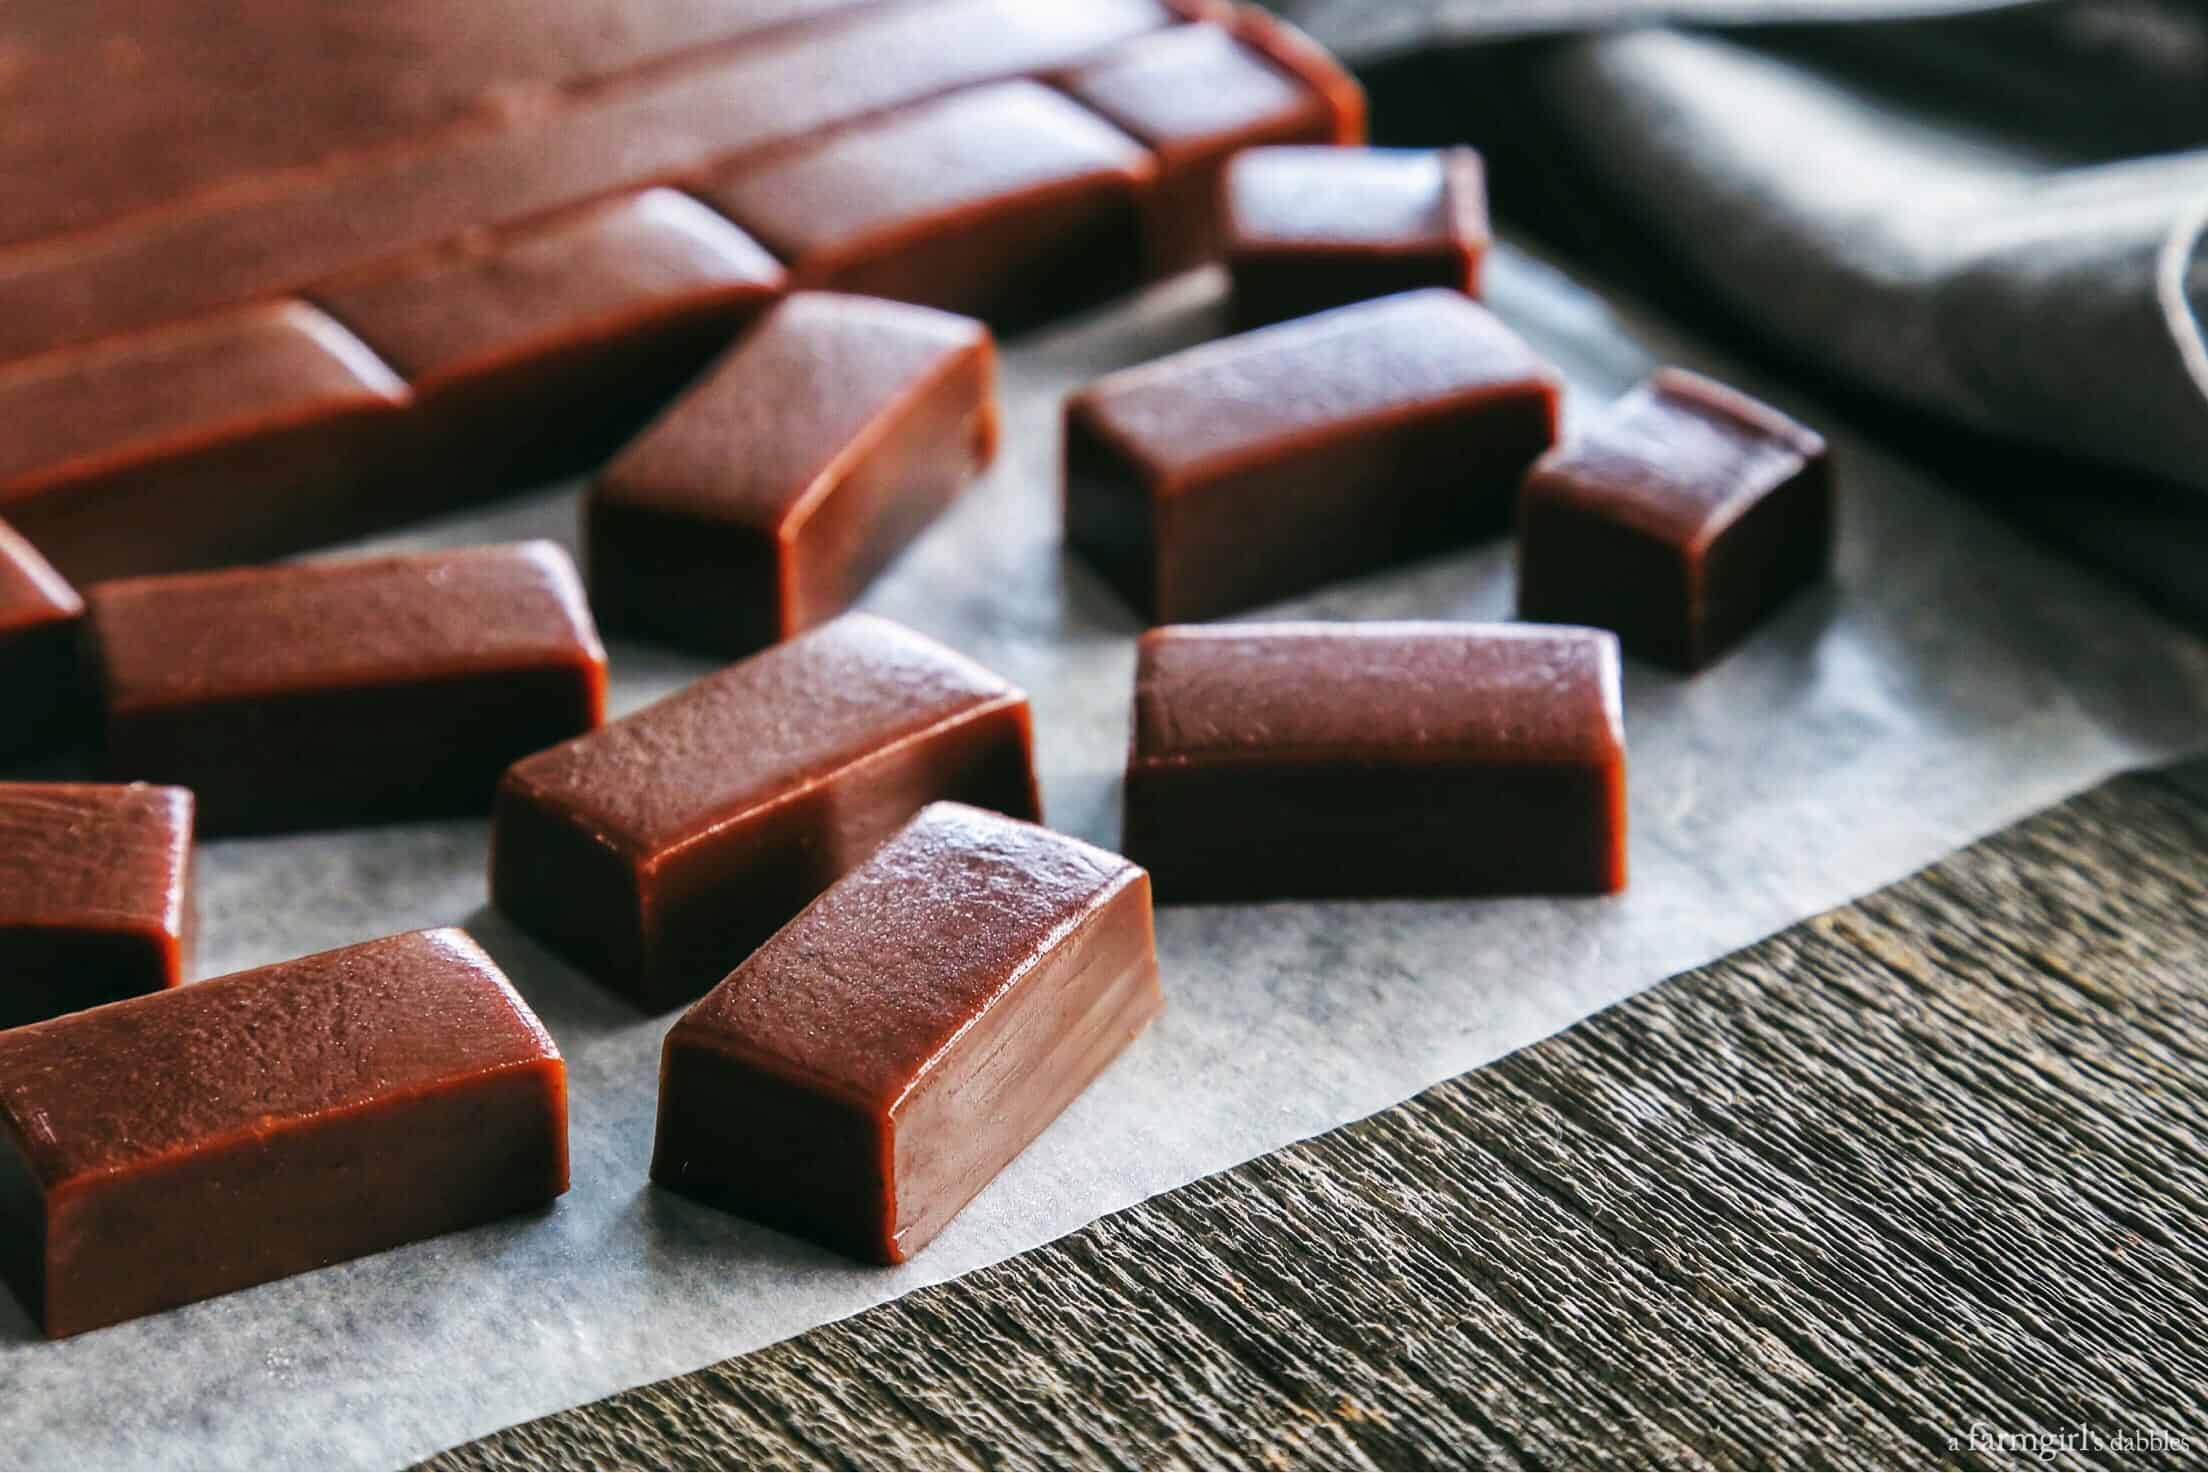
352, 691
1301, 760
1680, 519
239, 437
1196, 95
1009, 203
173, 1147
657, 852
39, 618
769, 495
1311, 228
533, 355
95, 895
1262, 465
874, 1066
228, 247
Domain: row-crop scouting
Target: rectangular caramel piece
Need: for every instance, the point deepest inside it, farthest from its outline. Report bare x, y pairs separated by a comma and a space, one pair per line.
1010, 203
533, 354
169, 1148
1263, 465
1195, 95
1682, 517
657, 852
40, 615
1311, 228
874, 1066
229, 439
355, 691
768, 496
95, 895
1274, 761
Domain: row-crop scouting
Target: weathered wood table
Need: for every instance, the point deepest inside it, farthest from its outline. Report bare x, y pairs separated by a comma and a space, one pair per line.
1898, 1186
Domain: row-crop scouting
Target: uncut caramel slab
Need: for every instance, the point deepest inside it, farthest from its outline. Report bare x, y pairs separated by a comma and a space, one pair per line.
359, 690
771, 493
169, 1148
873, 1066
228, 247
657, 852
95, 895
117, 110
1275, 761
1262, 465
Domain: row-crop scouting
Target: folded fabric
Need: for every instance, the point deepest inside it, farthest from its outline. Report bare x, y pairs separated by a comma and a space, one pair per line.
1988, 217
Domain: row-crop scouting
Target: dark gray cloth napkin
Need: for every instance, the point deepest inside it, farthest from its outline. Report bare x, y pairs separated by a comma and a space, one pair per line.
1985, 221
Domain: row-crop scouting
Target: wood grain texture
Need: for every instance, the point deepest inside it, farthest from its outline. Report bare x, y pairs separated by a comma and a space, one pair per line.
1933, 1160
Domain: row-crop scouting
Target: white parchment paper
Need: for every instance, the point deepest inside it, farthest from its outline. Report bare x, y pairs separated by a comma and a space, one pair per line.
1952, 680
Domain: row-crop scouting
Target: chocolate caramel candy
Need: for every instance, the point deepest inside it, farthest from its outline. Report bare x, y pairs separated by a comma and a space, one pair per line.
1309, 760
533, 353
768, 496
657, 852
1010, 203
1196, 94
885, 1055
39, 619
1680, 518
1263, 465
95, 895
238, 436
1311, 228
168, 1148
350, 691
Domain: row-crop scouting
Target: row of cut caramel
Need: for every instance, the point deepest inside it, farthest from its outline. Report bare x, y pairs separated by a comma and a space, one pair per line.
1264, 465
765, 502
256, 372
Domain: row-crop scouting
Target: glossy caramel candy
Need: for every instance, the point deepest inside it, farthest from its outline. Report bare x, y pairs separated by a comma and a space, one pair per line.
767, 497
534, 353
1010, 203
1263, 465
350, 691
877, 1063
1311, 228
1680, 518
1275, 761
657, 852
1197, 94
95, 895
39, 618
236, 436
169, 1148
